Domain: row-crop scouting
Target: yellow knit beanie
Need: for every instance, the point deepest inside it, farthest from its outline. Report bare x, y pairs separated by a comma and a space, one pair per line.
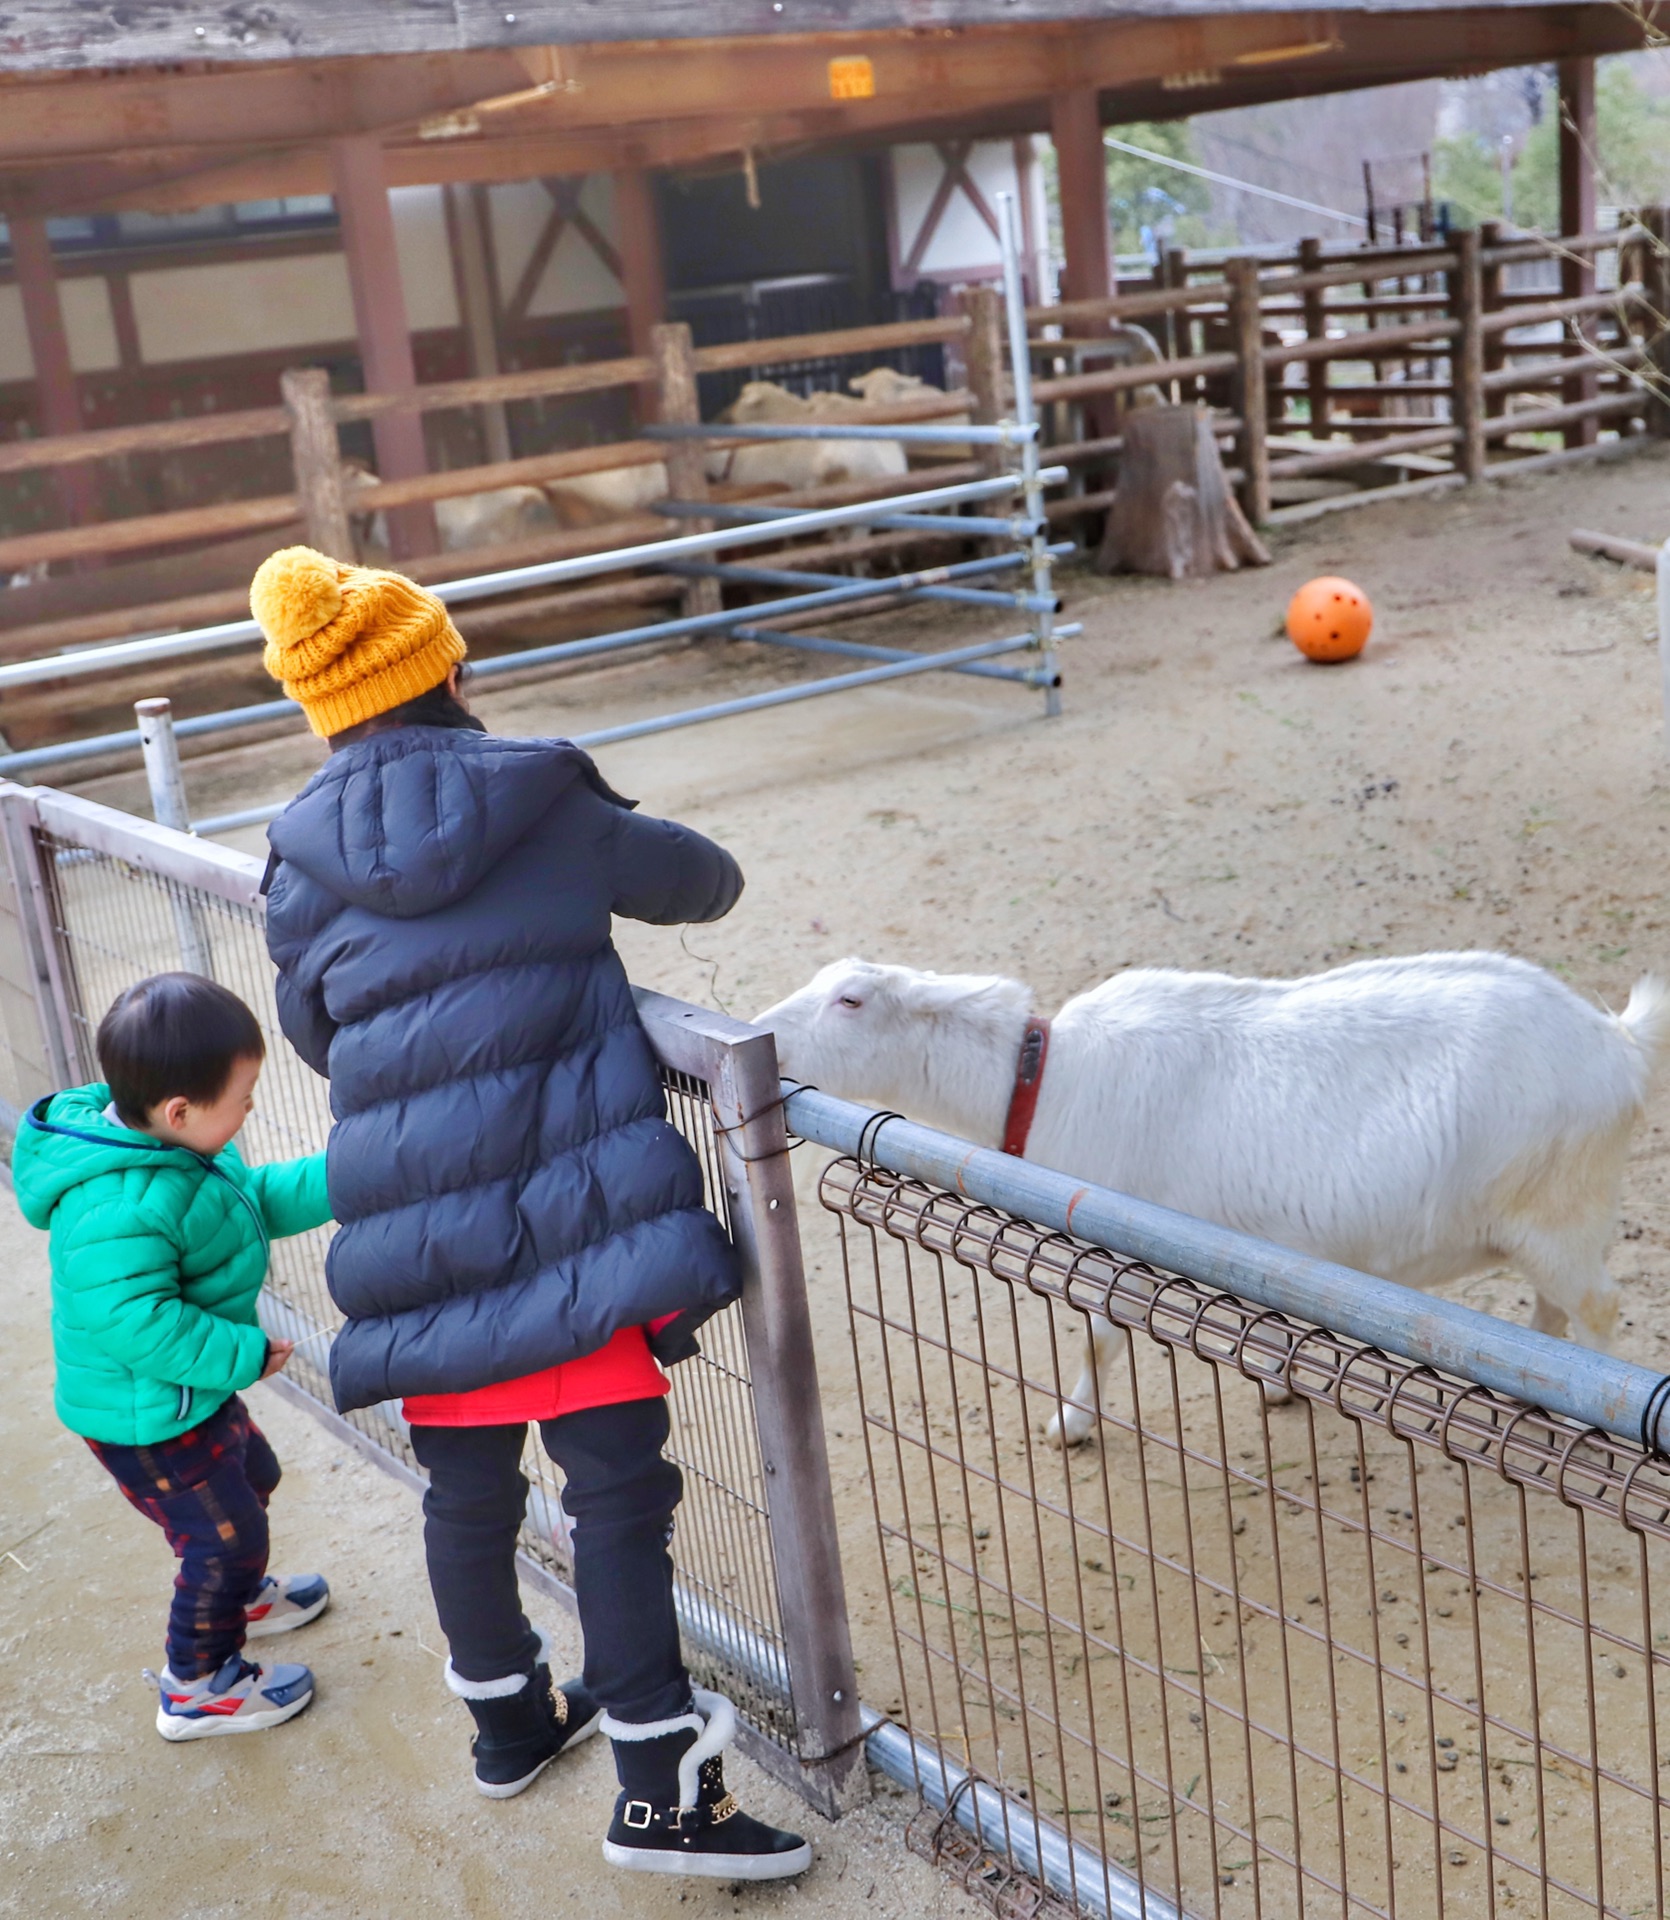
349, 642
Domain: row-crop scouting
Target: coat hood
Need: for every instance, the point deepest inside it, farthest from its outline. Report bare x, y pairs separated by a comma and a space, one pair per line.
411, 820
68, 1138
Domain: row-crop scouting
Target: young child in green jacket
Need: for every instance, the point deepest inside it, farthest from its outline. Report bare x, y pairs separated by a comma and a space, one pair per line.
159, 1249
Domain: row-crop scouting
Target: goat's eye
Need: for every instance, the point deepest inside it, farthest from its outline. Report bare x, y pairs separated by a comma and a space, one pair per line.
848, 1000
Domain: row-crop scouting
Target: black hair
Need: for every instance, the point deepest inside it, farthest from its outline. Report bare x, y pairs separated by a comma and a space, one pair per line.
439, 707
174, 1034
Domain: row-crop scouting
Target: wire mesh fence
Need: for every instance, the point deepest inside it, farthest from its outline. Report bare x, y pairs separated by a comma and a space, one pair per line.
110, 921
1393, 1647
1303, 1628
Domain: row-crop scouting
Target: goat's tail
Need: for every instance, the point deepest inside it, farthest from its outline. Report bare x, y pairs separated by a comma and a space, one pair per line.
1647, 1021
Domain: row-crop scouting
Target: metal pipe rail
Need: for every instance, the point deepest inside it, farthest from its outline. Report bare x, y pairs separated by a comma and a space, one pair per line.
1005, 434
128, 653
970, 524
1593, 1389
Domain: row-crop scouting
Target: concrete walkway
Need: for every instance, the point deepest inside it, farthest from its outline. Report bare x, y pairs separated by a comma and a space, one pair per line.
363, 1806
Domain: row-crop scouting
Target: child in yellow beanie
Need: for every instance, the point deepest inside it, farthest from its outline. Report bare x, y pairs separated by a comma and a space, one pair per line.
523, 1234
349, 643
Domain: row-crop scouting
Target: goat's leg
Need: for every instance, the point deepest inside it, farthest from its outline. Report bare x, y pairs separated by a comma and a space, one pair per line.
1573, 1287
1548, 1318
1077, 1418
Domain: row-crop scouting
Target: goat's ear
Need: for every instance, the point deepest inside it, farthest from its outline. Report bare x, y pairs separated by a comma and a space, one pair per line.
933, 993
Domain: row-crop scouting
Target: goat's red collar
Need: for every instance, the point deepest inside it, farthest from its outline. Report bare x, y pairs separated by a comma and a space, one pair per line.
1029, 1078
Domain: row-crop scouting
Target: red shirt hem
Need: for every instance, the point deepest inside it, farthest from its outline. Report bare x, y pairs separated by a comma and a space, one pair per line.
623, 1370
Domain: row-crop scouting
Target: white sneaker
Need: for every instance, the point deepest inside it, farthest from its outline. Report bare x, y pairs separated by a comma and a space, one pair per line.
284, 1602
240, 1698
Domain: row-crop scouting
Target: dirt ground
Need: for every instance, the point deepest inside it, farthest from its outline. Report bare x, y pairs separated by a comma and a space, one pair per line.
1489, 774
360, 1810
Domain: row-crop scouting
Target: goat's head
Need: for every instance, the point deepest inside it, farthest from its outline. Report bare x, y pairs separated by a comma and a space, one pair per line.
864, 1031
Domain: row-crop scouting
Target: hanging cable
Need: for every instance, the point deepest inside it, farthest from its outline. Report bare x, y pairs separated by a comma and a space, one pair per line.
1228, 180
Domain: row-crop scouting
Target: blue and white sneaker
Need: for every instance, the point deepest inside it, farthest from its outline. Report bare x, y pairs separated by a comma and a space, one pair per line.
285, 1601
240, 1698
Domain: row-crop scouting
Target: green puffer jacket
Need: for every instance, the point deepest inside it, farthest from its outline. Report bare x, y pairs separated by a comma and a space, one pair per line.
158, 1256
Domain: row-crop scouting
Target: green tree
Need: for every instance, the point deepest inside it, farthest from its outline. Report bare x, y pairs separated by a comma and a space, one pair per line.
1145, 193
1632, 140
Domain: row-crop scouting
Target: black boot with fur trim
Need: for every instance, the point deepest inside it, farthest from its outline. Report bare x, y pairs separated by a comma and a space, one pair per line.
523, 1722
674, 1814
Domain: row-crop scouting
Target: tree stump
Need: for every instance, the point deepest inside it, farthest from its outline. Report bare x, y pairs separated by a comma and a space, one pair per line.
1173, 513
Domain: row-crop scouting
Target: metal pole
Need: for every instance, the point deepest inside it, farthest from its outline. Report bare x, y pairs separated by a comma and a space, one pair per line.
35, 894
168, 807
1556, 1375
1664, 639
738, 1063
486, 586
1032, 479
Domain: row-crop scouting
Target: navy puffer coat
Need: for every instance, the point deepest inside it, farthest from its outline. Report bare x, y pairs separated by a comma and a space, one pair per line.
510, 1191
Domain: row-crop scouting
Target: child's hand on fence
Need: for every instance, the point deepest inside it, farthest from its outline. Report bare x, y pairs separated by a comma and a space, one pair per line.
278, 1356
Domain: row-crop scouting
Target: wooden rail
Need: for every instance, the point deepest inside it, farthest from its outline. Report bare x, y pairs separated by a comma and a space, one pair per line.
1227, 338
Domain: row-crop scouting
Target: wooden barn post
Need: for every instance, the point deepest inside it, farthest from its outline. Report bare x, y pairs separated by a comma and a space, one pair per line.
49, 347
468, 214
1316, 328
317, 458
1081, 173
677, 403
385, 338
1656, 277
1246, 324
1490, 301
1467, 354
643, 276
1578, 215
983, 352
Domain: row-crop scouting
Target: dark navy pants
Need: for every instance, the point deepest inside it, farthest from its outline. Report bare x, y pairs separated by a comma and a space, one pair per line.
620, 1494
208, 1490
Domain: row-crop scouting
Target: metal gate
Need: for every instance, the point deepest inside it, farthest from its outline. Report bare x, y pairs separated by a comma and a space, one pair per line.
102, 899
1393, 1647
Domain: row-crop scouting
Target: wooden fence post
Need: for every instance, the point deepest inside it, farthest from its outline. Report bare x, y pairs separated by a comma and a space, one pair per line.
1490, 301
1247, 335
1656, 278
317, 458
1316, 328
1467, 353
674, 353
983, 358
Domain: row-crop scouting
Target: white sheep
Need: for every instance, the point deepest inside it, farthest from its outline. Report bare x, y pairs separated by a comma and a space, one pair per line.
1421, 1119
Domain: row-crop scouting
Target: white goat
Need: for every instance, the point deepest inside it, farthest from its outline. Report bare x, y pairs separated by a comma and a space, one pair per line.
1421, 1119
799, 463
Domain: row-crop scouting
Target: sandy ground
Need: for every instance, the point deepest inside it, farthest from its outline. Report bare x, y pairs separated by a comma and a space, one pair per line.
360, 1810
1489, 774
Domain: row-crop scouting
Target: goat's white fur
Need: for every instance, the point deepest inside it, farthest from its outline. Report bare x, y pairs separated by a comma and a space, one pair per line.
1421, 1119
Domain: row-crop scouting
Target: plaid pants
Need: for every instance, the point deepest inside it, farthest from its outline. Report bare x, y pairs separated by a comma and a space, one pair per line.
208, 1490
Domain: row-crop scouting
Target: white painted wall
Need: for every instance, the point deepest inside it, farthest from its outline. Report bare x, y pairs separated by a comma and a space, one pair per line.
226, 307
87, 321
425, 257
575, 280
961, 243
231, 307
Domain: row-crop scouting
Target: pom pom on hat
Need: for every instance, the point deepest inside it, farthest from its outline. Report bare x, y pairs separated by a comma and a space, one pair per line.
347, 642
294, 593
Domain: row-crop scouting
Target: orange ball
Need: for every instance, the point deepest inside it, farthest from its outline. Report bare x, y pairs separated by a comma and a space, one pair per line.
1329, 619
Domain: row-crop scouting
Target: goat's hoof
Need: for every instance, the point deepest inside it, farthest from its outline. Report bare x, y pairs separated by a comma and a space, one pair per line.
1276, 1395
1070, 1428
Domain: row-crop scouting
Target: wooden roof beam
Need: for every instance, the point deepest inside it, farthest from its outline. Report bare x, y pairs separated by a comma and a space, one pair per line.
322, 100
1372, 49
43, 36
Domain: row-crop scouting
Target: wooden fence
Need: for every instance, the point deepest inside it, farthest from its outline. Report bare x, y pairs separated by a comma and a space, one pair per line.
1331, 374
